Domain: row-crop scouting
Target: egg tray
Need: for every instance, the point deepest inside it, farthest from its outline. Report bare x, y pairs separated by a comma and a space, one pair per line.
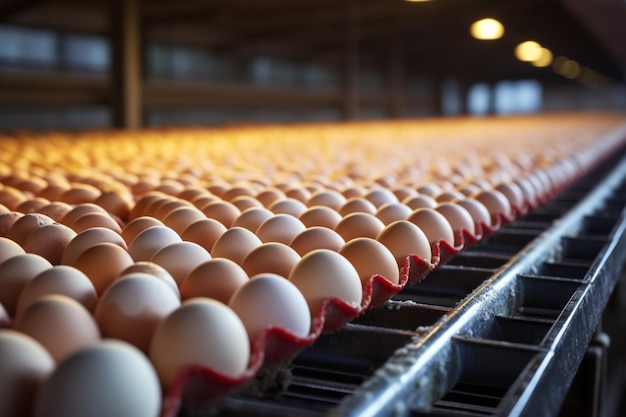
197, 386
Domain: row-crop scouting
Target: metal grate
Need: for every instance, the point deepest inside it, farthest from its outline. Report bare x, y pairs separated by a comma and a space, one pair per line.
488, 333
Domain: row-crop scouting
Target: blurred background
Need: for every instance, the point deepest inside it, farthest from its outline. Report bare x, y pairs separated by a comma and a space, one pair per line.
82, 64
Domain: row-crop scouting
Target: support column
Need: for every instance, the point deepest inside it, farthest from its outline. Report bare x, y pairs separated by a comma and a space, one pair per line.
351, 62
126, 64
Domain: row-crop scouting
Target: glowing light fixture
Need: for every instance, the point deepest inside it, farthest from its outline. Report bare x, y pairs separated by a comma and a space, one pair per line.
544, 59
416, 1
487, 29
528, 51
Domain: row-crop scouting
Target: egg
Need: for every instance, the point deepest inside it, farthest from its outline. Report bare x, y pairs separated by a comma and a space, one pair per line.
222, 211
217, 278
288, 206
270, 195
118, 204
245, 202
15, 273
5, 320
56, 210
320, 216
180, 258
89, 220
103, 263
86, 239
496, 203
80, 194
272, 257
9, 249
138, 225
7, 220
59, 323
356, 205
370, 257
24, 225
380, 197
204, 232
25, 365
235, 244
131, 308
328, 198
252, 218
359, 225
126, 384
458, 217
153, 269
49, 241
62, 280
404, 238
204, 332
79, 211
433, 224
316, 237
270, 300
323, 273
513, 193
477, 210
420, 201
280, 228
150, 240
390, 212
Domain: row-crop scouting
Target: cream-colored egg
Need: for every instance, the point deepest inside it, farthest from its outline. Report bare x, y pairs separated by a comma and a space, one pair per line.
25, 365
323, 273
235, 244
62, 280
269, 300
513, 193
138, 225
357, 205
15, 274
420, 201
370, 257
79, 211
404, 238
458, 217
60, 324
252, 218
89, 220
433, 224
270, 257
204, 332
288, 206
380, 197
155, 270
328, 198
180, 258
390, 212
126, 384
316, 237
131, 308
9, 249
222, 211
150, 241
496, 203
204, 232
477, 210
217, 278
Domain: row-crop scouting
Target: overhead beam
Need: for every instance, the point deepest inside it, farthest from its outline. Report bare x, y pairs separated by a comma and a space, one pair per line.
126, 64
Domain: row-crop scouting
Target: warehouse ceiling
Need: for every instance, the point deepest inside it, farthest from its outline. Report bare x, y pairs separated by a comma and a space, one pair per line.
430, 38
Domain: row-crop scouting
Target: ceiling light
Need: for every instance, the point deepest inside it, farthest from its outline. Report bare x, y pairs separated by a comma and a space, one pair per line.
528, 51
566, 67
487, 29
544, 59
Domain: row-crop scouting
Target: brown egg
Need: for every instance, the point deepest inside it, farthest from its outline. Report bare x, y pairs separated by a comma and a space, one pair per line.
458, 217
88, 238
433, 224
288, 206
90, 220
320, 216
103, 263
298, 193
495, 202
280, 228
420, 201
235, 244
252, 218
24, 225
380, 196
63, 280
359, 225
79, 211
49, 241
32, 205
61, 324
370, 257
11, 197
447, 196
357, 205
245, 202
403, 192
180, 258
272, 257
7, 220
138, 225
15, 273
270, 195
217, 278
222, 211
477, 210
513, 193
204, 232
115, 203
55, 210
80, 194
404, 238
150, 268
181, 217
316, 237
332, 199
143, 203
53, 192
